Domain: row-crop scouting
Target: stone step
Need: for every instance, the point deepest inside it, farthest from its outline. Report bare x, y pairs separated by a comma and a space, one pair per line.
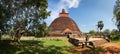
99, 42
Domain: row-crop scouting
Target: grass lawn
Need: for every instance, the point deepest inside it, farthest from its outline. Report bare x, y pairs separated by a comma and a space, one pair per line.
56, 45
54, 42
44, 46
48, 42
57, 42
115, 40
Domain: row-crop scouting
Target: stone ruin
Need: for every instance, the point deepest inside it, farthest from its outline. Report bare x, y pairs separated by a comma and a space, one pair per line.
64, 25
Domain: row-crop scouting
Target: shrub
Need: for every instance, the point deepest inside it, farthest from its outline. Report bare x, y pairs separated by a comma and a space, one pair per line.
115, 38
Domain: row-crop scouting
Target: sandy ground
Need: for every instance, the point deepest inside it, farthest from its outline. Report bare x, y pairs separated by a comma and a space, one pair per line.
117, 45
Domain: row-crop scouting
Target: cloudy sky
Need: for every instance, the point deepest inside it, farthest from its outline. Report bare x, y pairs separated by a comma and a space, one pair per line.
86, 13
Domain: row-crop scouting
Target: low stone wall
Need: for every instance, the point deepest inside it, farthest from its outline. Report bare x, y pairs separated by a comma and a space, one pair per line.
80, 41
41, 38
74, 41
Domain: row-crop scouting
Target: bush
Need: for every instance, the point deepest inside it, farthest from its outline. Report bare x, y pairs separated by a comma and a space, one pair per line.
115, 38
57, 39
6, 39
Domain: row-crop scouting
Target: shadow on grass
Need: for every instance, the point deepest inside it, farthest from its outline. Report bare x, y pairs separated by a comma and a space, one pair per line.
32, 49
8, 49
32, 42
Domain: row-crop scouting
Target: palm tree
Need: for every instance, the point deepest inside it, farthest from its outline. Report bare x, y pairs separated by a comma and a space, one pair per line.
100, 26
117, 14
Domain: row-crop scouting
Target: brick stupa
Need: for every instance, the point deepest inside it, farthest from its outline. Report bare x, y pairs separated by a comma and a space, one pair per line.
64, 25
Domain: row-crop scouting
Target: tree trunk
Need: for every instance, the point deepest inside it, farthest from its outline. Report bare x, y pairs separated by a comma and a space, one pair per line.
0, 36
100, 33
17, 36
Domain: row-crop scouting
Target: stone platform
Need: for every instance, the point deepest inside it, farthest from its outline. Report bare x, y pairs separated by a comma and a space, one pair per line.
80, 41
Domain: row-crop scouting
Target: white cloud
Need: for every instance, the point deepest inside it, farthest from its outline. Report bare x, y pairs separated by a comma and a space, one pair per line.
62, 4
71, 3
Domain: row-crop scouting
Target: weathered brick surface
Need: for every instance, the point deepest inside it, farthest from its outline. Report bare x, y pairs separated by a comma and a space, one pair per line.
62, 23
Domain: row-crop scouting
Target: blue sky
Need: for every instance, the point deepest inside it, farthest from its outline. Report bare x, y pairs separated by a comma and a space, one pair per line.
86, 13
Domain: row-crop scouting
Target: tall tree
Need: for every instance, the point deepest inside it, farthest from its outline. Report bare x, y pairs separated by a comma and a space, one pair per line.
92, 32
115, 32
106, 32
117, 13
5, 16
100, 26
26, 15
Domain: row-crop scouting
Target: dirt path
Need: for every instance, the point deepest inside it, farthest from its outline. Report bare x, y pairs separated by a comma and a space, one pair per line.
111, 48
108, 48
117, 44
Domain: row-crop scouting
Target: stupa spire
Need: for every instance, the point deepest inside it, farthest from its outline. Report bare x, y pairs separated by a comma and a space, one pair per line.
63, 13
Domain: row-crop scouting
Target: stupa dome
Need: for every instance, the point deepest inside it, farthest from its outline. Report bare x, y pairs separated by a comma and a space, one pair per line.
63, 24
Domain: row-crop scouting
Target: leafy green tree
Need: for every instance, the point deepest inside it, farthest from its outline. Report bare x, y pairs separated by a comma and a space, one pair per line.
100, 26
5, 16
106, 31
92, 32
24, 15
42, 30
117, 13
115, 32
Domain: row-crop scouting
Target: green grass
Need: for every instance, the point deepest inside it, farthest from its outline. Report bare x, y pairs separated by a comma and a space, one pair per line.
57, 42
115, 38
6, 39
49, 42
33, 49
53, 42
44, 46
